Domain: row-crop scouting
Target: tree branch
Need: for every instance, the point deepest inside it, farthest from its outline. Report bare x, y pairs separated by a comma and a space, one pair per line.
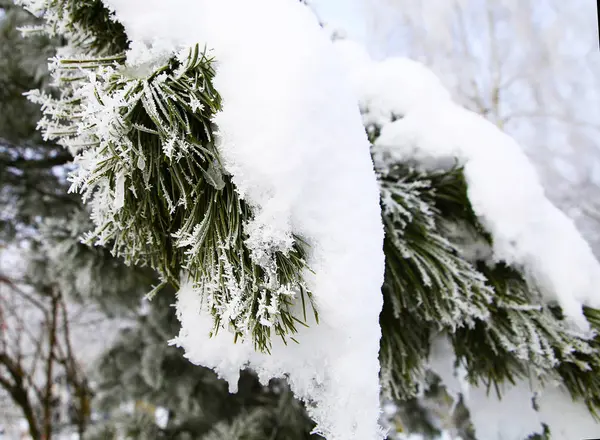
22, 163
79, 383
19, 394
47, 401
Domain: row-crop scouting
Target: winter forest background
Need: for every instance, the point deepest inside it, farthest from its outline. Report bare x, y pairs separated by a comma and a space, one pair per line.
84, 355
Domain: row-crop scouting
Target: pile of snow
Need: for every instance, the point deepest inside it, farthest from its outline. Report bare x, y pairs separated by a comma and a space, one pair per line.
514, 415
389, 88
292, 137
420, 123
565, 417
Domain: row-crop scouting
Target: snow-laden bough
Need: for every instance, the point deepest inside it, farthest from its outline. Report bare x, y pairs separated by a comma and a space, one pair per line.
291, 135
420, 124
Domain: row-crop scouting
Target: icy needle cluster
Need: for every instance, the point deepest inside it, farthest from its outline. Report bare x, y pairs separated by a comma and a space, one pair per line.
148, 167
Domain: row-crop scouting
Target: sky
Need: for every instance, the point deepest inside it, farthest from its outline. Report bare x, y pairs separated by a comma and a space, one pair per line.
347, 15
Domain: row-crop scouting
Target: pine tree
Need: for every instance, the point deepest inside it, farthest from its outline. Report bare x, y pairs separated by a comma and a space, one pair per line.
157, 154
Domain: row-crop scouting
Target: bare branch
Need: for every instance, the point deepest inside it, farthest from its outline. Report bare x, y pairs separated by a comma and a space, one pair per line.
48, 394
19, 394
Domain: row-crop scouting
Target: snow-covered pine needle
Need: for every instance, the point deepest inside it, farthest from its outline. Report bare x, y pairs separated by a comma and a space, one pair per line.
159, 195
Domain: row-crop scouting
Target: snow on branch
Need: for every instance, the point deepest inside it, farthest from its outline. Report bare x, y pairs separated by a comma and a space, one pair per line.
291, 137
419, 123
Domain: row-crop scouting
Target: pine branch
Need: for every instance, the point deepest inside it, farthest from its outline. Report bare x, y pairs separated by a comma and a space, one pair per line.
87, 24
509, 333
160, 196
104, 33
49, 162
428, 285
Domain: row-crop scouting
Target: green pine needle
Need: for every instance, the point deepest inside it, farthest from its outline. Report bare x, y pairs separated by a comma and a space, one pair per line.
181, 210
505, 334
91, 27
428, 285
